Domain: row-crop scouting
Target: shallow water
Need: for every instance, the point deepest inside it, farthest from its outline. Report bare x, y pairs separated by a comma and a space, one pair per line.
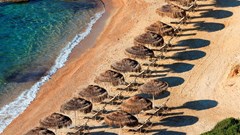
35, 40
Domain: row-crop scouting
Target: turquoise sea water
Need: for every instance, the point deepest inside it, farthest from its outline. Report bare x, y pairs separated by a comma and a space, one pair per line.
33, 35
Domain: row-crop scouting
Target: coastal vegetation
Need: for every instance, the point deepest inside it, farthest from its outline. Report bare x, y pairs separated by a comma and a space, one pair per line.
229, 126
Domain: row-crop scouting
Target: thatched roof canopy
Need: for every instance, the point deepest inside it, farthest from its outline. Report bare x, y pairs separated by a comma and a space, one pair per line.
181, 2
56, 120
112, 77
153, 87
40, 131
161, 28
120, 119
93, 93
139, 51
149, 38
77, 104
127, 65
136, 104
171, 11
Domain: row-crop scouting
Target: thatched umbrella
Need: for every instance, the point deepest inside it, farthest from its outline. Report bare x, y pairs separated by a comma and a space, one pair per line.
171, 11
154, 87
112, 77
136, 104
56, 121
126, 65
182, 2
149, 38
77, 105
139, 51
40, 131
120, 119
162, 29
94, 93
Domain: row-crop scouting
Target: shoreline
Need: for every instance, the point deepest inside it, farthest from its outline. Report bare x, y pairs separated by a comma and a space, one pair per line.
28, 95
79, 51
197, 85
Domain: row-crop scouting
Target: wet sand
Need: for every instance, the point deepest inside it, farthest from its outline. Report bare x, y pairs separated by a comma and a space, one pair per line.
201, 93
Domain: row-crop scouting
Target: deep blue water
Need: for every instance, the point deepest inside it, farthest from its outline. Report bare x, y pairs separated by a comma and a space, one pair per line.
32, 35
35, 40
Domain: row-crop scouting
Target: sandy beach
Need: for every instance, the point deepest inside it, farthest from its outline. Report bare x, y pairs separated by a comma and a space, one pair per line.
198, 66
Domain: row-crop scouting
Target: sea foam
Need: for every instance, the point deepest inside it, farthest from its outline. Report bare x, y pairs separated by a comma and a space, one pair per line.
12, 110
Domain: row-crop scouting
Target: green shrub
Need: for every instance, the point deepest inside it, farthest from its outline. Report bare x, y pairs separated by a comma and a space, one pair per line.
229, 126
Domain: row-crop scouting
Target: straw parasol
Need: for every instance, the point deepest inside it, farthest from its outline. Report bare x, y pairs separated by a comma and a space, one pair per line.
94, 93
149, 38
136, 104
40, 131
77, 104
139, 51
112, 77
182, 2
120, 119
127, 65
171, 11
56, 120
161, 29
153, 87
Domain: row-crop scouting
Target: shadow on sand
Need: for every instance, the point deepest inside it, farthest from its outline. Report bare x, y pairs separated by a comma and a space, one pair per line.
173, 81
216, 14
193, 43
188, 55
166, 132
206, 26
179, 121
179, 67
227, 3
103, 133
198, 105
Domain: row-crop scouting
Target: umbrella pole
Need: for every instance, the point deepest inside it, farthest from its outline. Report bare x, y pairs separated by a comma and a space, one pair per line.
75, 118
153, 101
120, 131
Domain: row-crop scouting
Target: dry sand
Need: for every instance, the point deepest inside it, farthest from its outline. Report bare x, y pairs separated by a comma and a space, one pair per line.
201, 92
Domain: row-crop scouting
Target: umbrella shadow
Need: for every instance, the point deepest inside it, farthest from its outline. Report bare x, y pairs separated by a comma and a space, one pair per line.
158, 71
97, 127
216, 14
165, 132
194, 22
198, 105
183, 35
227, 3
188, 55
193, 43
206, 5
179, 121
153, 76
103, 133
206, 26
179, 67
172, 50
209, 26
201, 10
19, 77
172, 81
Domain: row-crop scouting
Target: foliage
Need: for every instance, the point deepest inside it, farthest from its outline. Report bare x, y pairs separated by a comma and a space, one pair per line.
229, 126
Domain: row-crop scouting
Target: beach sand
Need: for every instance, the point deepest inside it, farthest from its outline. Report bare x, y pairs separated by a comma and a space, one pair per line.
201, 92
